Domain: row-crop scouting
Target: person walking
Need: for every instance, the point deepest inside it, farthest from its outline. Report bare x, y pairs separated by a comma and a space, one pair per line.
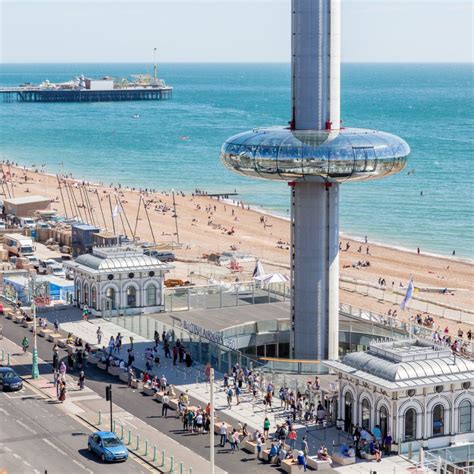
99, 334
62, 371
62, 392
260, 442
223, 434
164, 408
156, 337
266, 427
56, 326
292, 436
82, 379
304, 446
230, 394
55, 357
25, 344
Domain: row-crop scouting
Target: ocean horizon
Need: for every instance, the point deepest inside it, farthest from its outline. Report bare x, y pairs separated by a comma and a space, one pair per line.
427, 104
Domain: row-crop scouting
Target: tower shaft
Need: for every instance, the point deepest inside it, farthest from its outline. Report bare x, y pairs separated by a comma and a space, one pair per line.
316, 55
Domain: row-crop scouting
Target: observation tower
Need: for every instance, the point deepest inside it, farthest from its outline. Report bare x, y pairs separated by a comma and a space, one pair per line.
315, 154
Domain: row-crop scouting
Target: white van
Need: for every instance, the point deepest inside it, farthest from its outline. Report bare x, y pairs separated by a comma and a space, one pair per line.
27, 222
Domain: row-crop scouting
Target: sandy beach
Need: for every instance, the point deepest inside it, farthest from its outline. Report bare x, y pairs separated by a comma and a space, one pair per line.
208, 226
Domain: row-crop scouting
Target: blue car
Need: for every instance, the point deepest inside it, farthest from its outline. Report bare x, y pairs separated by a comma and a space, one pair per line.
107, 446
9, 380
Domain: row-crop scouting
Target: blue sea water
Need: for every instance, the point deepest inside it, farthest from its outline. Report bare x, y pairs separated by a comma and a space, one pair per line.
429, 105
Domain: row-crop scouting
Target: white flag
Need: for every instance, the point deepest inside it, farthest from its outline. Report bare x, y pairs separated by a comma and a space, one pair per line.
116, 211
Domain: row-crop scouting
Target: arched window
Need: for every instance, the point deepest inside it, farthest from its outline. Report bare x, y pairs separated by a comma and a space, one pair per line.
131, 297
366, 414
94, 297
438, 420
465, 411
86, 293
151, 295
348, 400
110, 295
383, 420
410, 424
78, 293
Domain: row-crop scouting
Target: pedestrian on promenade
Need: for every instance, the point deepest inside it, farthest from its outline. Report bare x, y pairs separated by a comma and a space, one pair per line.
207, 371
62, 371
188, 359
156, 337
292, 436
223, 434
56, 326
260, 443
304, 446
166, 347
235, 440
118, 343
165, 401
238, 391
99, 333
55, 357
82, 378
111, 344
131, 375
85, 313
57, 383
131, 342
25, 344
62, 392
131, 357
266, 427
302, 460
175, 354
230, 394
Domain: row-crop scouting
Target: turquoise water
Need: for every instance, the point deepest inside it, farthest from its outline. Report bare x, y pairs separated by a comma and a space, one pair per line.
430, 106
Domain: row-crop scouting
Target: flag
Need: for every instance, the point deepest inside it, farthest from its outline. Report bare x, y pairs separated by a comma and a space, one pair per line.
408, 295
116, 211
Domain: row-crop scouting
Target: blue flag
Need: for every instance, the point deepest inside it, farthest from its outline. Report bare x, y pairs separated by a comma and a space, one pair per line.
408, 295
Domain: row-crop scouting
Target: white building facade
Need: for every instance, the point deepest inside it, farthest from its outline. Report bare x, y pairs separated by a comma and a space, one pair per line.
113, 280
413, 389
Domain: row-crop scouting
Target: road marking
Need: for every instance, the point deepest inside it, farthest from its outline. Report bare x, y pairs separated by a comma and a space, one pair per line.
26, 463
4, 411
31, 430
59, 450
16, 456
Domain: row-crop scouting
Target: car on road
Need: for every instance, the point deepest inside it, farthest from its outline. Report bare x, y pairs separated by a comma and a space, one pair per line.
10, 380
161, 256
107, 446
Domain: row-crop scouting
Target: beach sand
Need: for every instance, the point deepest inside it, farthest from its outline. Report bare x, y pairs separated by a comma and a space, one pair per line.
205, 226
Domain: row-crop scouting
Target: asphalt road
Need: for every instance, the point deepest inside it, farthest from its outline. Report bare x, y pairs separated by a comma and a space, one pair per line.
145, 408
37, 437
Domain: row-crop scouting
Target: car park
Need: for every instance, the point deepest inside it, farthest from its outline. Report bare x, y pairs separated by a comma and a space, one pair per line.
10, 380
107, 446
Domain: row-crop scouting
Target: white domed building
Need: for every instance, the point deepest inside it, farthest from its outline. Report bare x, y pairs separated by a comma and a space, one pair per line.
416, 390
113, 280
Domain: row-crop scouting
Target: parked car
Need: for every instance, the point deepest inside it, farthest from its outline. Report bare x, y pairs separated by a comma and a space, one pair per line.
3, 225
161, 256
33, 260
27, 222
106, 445
10, 380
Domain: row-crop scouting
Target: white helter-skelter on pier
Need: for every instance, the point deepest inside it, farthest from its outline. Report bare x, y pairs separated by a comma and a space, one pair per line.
315, 155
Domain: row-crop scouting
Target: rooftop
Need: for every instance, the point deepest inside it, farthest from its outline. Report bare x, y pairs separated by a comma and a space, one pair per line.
26, 200
406, 363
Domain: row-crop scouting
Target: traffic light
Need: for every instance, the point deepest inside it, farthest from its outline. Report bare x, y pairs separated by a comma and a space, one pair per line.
108, 393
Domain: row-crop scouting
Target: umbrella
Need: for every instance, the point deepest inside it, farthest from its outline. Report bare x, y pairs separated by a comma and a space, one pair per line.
273, 278
258, 271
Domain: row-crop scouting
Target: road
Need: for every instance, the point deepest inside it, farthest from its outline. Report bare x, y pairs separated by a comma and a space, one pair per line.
146, 409
36, 436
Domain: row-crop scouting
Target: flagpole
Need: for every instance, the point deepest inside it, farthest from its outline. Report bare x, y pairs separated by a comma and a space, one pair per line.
112, 214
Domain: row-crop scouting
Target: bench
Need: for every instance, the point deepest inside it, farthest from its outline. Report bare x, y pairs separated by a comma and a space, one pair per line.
318, 464
174, 404
342, 460
123, 376
135, 383
101, 365
8, 313
149, 391
367, 456
217, 428
292, 466
266, 455
17, 319
54, 337
27, 324
114, 370
62, 343
250, 446
45, 332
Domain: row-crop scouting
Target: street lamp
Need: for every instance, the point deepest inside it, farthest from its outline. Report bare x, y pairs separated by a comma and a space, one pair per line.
34, 364
211, 429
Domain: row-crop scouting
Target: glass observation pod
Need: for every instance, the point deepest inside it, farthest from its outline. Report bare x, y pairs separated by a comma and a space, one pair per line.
350, 154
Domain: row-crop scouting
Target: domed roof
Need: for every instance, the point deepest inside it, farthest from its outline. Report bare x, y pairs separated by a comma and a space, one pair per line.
349, 154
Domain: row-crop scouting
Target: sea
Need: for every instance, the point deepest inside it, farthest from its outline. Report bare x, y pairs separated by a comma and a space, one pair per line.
175, 144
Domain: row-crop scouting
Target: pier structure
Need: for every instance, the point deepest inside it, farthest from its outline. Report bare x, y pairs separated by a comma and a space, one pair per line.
314, 154
22, 94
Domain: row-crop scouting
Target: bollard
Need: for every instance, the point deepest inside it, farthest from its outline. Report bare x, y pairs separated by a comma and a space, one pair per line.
129, 437
155, 455
190, 470
100, 418
138, 442
146, 448
181, 468
113, 426
121, 431
171, 464
163, 458
2, 354
8, 359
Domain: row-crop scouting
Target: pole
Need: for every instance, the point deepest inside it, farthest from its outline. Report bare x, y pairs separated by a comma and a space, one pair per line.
62, 197
112, 214
211, 430
34, 364
175, 218
149, 223
138, 213
124, 214
101, 210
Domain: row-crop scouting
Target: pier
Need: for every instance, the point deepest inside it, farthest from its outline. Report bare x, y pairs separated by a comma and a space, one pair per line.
20, 94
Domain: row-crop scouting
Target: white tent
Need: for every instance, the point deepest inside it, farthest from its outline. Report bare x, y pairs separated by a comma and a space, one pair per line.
273, 278
258, 271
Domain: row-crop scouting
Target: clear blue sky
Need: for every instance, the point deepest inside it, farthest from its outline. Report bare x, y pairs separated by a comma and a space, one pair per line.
226, 30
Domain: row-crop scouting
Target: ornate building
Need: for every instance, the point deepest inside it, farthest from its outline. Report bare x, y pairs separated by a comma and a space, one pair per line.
118, 279
413, 389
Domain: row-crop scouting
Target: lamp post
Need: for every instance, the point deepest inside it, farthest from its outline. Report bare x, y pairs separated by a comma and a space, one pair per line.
34, 364
211, 429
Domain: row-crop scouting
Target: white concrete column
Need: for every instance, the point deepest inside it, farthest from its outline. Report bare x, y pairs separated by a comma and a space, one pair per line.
315, 269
